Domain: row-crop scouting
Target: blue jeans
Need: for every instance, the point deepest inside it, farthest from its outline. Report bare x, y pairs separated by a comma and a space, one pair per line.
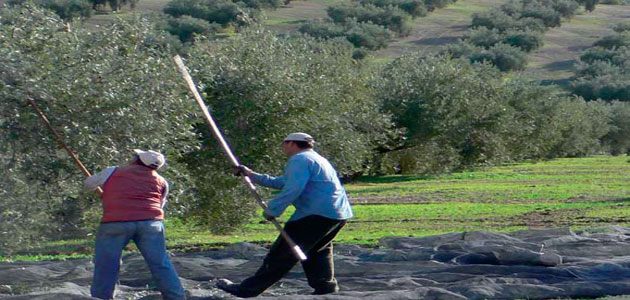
112, 238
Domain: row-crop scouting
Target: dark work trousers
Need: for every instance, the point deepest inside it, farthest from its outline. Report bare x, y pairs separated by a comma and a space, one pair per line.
314, 234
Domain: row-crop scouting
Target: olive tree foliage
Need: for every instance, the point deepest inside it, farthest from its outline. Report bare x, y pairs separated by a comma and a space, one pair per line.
66, 9
505, 34
451, 110
602, 72
459, 115
261, 87
224, 12
550, 125
105, 92
616, 140
621, 27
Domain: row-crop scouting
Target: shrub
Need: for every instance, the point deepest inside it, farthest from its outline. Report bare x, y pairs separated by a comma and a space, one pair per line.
415, 8
69, 9
392, 18
597, 68
364, 35
566, 8
483, 37
186, 27
550, 17
322, 30
614, 41
433, 4
621, 27
512, 9
597, 53
531, 24
221, 12
493, 19
606, 87
504, 57
369, 36
589, 5
525, 40
461, 49
359, 54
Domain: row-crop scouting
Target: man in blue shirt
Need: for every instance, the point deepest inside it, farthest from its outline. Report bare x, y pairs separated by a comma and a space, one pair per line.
309, 183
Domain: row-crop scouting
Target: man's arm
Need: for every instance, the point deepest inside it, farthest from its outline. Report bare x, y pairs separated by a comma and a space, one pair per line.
261, 179
268, 181
165, 194
296, 176
98, 180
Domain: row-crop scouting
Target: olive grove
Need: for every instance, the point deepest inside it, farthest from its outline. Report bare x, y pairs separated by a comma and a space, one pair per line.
112, 90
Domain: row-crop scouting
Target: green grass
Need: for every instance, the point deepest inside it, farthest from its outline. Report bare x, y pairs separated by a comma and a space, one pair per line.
595, 178
571, 192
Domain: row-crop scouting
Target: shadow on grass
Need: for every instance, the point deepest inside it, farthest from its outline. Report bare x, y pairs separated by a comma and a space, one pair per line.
437, 41
619, 201
563, 83
392, 179
565, 65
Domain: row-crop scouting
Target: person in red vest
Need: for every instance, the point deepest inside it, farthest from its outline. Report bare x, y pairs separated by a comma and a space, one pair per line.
133, 199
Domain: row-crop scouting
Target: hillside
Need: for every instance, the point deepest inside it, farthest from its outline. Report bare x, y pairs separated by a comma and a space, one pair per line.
552, 64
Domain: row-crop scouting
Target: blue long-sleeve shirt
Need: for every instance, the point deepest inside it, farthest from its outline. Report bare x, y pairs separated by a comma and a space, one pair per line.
311, 184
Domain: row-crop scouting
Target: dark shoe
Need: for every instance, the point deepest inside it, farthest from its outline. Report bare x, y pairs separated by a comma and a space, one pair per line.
326, 290
228, 286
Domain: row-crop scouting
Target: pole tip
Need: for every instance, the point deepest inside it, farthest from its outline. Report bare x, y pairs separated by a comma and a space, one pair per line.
299, 253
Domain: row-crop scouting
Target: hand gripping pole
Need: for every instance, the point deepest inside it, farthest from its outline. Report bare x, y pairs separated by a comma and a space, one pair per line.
217, 134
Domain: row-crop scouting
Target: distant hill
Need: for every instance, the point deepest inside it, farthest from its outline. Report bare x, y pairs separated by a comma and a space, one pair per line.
553, 63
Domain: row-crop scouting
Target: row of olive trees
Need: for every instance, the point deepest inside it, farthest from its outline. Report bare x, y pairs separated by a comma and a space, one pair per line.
189, 18
74, 9
114, 90
503, 36
370, 24
458, 115
603, 71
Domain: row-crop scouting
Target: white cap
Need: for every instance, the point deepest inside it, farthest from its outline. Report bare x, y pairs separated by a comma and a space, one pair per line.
299, 136
150, 158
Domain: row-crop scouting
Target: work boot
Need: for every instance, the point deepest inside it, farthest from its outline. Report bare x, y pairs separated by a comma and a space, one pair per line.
326, 289
228, 286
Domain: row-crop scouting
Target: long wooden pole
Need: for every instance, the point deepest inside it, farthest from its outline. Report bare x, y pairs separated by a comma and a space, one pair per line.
217, 134
60, 140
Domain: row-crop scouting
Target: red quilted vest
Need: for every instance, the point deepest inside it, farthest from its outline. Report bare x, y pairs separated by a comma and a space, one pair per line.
133, 193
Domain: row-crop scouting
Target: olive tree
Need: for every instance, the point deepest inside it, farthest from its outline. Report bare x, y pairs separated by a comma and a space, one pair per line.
105, 92
453, 111
261, 87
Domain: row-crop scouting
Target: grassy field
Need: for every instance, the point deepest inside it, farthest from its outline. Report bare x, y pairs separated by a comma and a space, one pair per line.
572, 192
